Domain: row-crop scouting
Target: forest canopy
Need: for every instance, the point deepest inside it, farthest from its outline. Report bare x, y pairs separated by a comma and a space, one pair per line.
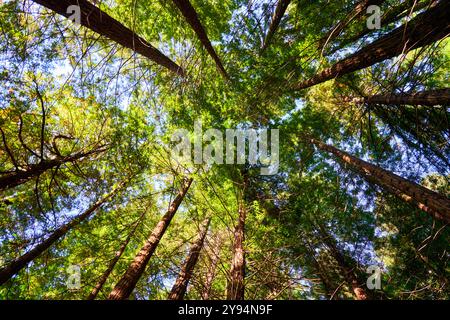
224, 149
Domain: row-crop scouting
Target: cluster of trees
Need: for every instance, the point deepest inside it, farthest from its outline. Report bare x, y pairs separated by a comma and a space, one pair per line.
87, 176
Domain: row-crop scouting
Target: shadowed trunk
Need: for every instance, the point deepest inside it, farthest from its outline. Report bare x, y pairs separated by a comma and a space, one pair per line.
321, 273
214, 254
100, 22
425, 29
179, 288
424, 98
113, 262
128, 282
191, 17
391, 15
437, 205
18, 177
235, 286
16, 265
348, 270
276, 19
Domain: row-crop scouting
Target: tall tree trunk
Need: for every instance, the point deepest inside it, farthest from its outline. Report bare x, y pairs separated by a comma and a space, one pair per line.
358, 11
211, 273
391, 15
424, 98
437, 205
425, 29
179, 288
319, 271
114, 261
276, 19
128, 282
348, 270
16, 265
235, 287
191, 17
19, 177
100, 22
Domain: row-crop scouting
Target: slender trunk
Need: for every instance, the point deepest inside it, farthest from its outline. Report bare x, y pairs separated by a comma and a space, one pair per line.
437, 205
276, 19
126, 284
348, 270
320, 272
391, 15
113, 262
235, 288
191, 17
358, 11
100, 22
425, 29
425, 98
16, 265
324, 279
179, 288
19, 177
214, 255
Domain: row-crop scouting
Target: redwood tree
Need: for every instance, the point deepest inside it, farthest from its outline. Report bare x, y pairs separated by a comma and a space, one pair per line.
424, 98
437, 205
100, 22
21, 262
235, 285
179, 288
128, 281
425, 29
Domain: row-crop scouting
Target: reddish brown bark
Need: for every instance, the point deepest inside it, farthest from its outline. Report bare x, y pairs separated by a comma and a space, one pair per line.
391, 15
128, 282
348, 270
235, 286
435, 204
100, 22
179, 288
321, 273
275, 22
19, 177
191, 17
113, 262
424, 98
18, 264
425, 29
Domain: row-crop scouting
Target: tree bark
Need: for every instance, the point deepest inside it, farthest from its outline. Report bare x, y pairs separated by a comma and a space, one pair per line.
191, 17
179, 288
18, 264
358, 11
128, 282
391, 15
348, 270
215, 252
235, 287
100, 22
319, 270
19, 177
275, 22
435, 204
424, 98
113, 262
425, 29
